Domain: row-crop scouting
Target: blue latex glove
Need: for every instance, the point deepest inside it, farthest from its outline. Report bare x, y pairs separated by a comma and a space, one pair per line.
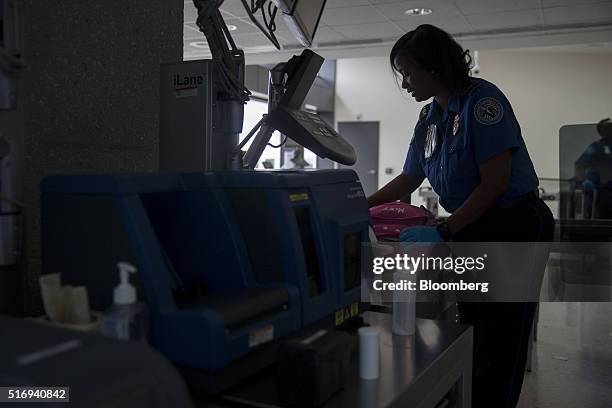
421, 234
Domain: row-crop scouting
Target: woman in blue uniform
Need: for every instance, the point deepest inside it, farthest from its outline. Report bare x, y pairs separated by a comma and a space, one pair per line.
468, 144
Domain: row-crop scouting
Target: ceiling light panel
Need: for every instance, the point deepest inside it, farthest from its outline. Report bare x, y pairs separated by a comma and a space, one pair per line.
592, 13
330, 4
418, 12
504, 21
495, 6
351, 15
555, 3
397, 11
453, 25
370, 31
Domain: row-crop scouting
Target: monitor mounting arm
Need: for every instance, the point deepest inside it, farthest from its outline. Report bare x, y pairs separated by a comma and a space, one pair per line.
279, 76
222, 46
276, 87
223, 49
230, 58
288, 87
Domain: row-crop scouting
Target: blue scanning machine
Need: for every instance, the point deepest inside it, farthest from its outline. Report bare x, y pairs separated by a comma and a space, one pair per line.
230, 260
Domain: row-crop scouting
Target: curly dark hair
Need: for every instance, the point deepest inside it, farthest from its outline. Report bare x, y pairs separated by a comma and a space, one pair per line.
435, 50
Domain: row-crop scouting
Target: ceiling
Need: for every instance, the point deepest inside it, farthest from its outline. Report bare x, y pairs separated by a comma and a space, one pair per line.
351, 28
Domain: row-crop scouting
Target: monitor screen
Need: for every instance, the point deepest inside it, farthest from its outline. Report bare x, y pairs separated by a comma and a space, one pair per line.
301, 78
302, 18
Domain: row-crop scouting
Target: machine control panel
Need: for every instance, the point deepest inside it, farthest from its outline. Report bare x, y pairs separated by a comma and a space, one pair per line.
314, 123
309, 130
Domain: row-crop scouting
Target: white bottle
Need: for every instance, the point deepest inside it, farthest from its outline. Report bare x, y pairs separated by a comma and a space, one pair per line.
126, 319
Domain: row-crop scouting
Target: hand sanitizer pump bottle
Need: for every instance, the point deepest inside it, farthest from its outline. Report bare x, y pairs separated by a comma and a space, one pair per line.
126, 319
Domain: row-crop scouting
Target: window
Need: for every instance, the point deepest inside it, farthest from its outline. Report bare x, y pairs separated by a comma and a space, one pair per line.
253, 111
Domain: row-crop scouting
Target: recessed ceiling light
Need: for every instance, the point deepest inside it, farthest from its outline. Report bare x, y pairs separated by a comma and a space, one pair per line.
418, 11
232, 27
199, 44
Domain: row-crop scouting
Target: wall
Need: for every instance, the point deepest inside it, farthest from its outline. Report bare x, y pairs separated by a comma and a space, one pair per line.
367, 90
91, 93
547, 90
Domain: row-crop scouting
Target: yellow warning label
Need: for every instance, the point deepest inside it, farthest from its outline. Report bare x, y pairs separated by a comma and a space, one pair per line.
346, 313
354, 309
298, 197
339, 317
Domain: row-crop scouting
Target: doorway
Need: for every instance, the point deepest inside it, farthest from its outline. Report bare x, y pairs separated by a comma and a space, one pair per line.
363, 136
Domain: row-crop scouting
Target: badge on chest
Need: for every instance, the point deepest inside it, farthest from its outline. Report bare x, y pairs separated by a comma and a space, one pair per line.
431, 140
456, 124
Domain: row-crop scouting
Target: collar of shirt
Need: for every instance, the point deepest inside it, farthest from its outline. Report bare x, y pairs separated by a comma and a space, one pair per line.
435, 114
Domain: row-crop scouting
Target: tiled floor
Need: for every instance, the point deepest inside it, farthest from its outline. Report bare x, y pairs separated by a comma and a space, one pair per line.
572, 361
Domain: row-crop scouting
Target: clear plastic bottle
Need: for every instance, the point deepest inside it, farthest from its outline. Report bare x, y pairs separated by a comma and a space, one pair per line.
126, 319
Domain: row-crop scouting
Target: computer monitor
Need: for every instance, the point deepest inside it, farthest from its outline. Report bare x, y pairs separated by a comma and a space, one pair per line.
303, 72
302, 17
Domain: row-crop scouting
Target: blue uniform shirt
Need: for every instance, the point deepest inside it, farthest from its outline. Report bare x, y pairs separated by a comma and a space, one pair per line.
597, 163
447, 147
597, 153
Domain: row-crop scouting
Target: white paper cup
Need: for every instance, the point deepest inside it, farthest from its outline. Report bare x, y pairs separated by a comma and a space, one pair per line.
369, 353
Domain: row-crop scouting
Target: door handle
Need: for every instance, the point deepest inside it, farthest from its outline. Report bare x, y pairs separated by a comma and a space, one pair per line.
371, 172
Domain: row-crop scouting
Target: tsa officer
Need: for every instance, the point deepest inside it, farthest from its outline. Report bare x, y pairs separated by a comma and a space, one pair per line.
468, 144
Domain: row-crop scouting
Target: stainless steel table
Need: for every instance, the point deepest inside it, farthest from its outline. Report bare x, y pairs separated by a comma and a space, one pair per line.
416, 371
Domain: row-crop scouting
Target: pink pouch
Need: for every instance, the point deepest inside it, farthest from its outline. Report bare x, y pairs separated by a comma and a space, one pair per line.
400, 213
388, 231
390, 219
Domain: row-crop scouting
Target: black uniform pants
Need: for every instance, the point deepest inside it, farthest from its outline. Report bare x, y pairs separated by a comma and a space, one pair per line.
501, 330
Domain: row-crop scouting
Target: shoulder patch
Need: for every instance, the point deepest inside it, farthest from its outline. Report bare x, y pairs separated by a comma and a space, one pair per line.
488, 111
424, 112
